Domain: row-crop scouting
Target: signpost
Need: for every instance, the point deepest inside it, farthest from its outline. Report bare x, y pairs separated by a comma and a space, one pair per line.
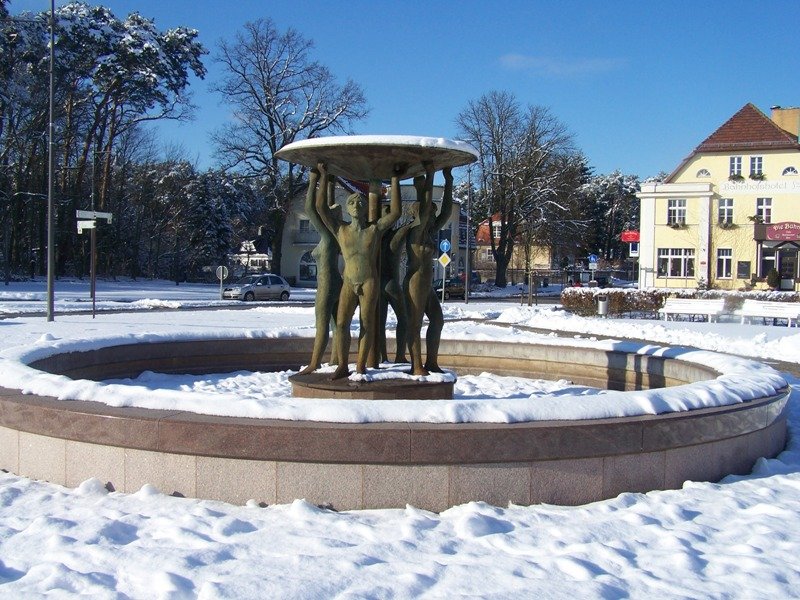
222, 273
444, 260
593, 264
90, 222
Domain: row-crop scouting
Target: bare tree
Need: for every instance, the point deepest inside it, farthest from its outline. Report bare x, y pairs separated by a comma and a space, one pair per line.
525, 171
278, 94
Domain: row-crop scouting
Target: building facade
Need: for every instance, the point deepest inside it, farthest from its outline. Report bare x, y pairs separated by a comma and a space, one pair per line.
730, 212
524, 260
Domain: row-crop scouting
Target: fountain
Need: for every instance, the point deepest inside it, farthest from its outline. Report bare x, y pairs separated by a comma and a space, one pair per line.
356, 465
366, 243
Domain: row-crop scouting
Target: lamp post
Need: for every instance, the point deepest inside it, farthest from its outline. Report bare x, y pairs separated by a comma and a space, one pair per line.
468, 263
51, 230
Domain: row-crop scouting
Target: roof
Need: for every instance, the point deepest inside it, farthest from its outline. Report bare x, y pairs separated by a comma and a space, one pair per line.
749, 129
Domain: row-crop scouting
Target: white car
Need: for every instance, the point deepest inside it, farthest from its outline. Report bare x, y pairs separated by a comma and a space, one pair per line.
258, 287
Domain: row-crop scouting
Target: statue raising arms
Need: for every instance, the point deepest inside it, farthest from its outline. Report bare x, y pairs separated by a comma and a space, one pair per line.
360, 243
329, 280
421, 300
392, 247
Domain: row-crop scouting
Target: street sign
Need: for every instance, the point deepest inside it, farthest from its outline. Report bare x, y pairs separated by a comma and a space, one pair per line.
444, 246
92, 214
445, 259
592, 258
85, 225
222, 273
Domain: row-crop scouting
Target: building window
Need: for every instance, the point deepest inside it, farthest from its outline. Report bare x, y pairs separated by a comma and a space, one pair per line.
724, 263
496, 229
676, 262
725, 213
789, 171
308, 267
676, 212
703, 173
767, 261
489, 255
764, 210
736, 166
756, 164
304, 224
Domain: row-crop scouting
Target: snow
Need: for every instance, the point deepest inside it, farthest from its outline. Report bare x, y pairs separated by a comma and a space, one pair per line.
735, 538
387, 140
741, 380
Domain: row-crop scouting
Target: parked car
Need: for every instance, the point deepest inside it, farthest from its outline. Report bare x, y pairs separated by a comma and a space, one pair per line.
258, 287
454, 288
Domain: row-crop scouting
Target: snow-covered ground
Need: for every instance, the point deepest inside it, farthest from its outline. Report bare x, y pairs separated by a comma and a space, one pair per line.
739, 538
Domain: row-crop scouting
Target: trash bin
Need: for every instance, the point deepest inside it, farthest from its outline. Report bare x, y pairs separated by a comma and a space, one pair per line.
602, 305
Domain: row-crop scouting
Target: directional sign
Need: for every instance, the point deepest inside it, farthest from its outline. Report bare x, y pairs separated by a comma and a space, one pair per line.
445, 259
92, 214
85, 225
444, 246
593, 258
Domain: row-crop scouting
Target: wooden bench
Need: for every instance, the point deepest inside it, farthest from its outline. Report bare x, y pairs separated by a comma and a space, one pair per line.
770, 310
711, 309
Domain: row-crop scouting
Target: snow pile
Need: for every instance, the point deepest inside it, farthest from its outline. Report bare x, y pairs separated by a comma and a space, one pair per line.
732, 539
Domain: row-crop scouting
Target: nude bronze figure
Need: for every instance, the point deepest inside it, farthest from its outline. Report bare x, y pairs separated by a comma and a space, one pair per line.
359, 242
421, 300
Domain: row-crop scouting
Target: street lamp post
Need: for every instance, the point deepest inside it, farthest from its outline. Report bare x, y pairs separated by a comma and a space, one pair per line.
51, 230
468, 276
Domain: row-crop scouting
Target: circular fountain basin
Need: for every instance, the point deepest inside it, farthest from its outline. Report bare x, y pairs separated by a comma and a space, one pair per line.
378, 465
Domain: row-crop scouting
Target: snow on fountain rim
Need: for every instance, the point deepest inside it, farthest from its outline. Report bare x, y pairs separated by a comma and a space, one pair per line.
740, 380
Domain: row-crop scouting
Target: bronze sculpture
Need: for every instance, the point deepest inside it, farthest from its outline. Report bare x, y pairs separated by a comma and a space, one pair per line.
359, 241
421, 300
329, 280
372, 250
392, 247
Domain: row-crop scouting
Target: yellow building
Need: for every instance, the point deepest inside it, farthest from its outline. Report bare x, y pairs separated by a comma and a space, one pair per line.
730, 212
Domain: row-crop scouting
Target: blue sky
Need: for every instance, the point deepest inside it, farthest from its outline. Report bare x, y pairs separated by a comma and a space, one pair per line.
639, 83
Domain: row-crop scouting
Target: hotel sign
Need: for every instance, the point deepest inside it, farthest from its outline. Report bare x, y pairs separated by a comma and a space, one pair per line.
786, 231
760, 187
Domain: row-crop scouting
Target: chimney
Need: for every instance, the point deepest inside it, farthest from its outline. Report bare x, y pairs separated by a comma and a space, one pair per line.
787, 118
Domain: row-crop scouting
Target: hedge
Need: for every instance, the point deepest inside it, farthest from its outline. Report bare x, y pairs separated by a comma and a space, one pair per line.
583, 301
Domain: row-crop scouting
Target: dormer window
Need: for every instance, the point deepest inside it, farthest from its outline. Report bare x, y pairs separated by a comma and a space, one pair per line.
788, 171
703, 173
